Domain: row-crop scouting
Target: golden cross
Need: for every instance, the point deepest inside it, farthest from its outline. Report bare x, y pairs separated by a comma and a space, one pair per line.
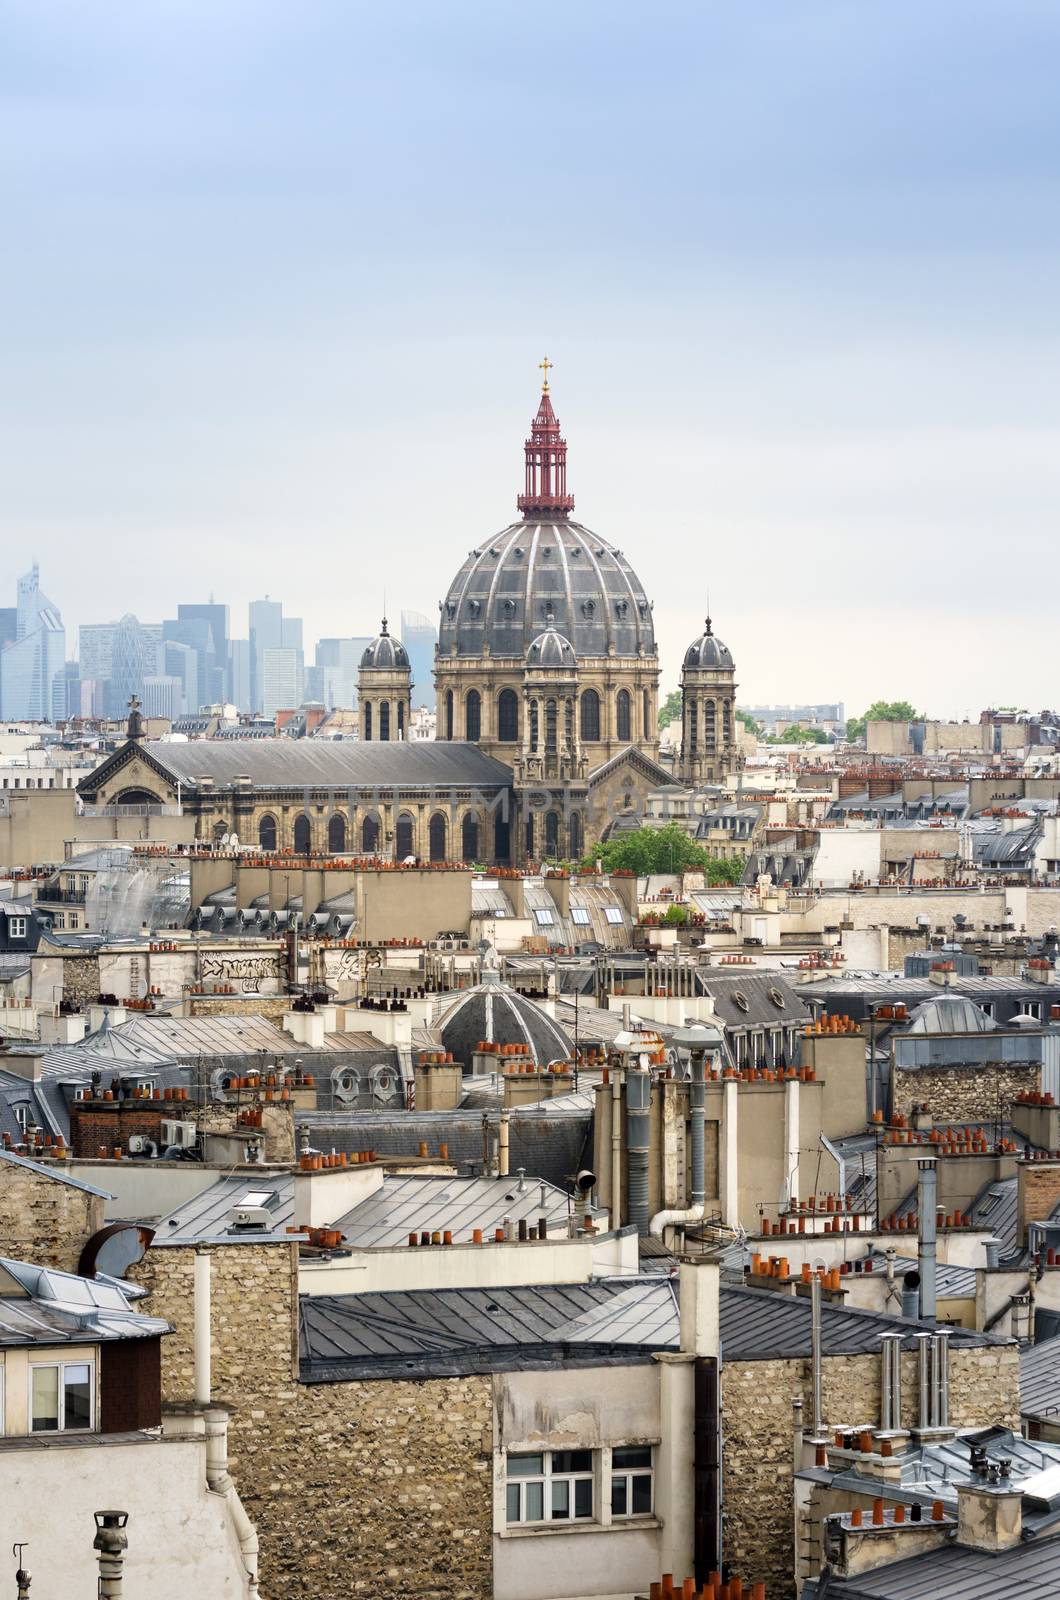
546, 367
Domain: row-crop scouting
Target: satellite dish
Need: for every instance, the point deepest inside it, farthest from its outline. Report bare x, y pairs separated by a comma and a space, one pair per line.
226, 840
141, 989
233, 839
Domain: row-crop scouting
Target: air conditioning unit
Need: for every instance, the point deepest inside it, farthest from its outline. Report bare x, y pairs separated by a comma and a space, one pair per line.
250, 1217
181, 1134
141, 1145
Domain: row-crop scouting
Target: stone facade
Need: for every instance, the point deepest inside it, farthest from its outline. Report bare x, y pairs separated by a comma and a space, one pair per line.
44, 1219
367, 1489
963, 1094
758, 1454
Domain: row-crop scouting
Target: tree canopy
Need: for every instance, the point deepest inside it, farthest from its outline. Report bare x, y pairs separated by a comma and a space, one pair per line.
670, 710
883, 711
799, 736
667, 849
749, 723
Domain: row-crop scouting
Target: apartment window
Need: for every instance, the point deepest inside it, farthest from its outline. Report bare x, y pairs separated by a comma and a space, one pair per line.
22, 1116
1033, 1008
16, 927
987, 1008
631, 1481
60, 1397
579, 915
551, 1486
613, 914
543, 916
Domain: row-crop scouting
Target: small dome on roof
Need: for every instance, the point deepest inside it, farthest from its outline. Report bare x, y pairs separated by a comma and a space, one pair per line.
551, 649
949, 1013
500, 1015
385, 653
708, 652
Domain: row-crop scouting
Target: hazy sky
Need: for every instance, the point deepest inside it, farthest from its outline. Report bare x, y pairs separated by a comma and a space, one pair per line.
277, 274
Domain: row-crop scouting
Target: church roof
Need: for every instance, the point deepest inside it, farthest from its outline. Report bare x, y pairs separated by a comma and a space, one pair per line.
309, 763
551, 649
709, 653
385, 653
536, 576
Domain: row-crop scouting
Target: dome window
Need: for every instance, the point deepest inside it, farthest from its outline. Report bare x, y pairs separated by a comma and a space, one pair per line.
546, 551
621, 607
509, 607
474, 606
518, 551
588, 608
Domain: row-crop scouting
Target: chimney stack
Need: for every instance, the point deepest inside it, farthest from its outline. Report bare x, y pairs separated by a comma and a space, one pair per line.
111, 1542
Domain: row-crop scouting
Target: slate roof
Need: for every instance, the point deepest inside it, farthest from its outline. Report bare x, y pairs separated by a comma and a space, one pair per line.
458, 1331
404, 1204
758, 989
319, 763
204, 1218
548, 1144
952, 1572
497, 1013
39, 1305
762, 1325
1040, 1379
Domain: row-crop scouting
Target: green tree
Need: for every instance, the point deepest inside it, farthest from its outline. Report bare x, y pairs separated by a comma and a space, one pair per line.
668, 849
749, 723
799, 736
883, 711
670, 710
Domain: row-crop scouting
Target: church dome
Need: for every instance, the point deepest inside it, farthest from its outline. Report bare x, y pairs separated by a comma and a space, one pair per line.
546, 572
551, 649
538, 576
709, 653
384, 653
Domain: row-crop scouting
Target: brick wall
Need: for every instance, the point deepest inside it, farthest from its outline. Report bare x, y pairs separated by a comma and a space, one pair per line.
758, 1456
1039, 1191
43, 1219
358, 1488
963, 1094
108, 1124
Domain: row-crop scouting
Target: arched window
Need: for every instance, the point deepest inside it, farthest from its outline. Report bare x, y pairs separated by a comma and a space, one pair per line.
726, 721
366, 720
384, 720
267, 833
709, 723
406, 836
437, 836
219, 831
693, 728
568, 724
369, 834
590, 716
449, 713
301, 835
401, 719
552, 834
502, 839
646, 710
574, 834
508, 716
473, 717
623, 719
550, 727
530, 837
533, 725
337, 834
469, 837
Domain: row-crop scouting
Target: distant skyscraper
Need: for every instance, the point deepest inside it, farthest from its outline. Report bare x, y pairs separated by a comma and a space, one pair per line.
333, 678
32, 683
281, 682
180, 661
419, 635
266, 633
237, 686
214, 669
163, 697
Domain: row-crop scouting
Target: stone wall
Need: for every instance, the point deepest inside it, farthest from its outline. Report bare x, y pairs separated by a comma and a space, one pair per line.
272, 1007
963, 1094
758, 1455
356, 1488
43, 1219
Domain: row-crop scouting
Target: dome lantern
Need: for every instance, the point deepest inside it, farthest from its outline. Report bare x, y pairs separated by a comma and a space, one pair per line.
546, 464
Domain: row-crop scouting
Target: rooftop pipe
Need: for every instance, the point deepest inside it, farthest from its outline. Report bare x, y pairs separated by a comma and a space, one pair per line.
698, 1039
927, 1200
638, 1114
112, 1543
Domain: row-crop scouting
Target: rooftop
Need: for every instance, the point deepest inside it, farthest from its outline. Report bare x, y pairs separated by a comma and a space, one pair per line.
41, 1306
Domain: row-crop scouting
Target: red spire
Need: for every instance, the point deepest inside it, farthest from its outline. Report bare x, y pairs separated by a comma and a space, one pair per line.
546, 464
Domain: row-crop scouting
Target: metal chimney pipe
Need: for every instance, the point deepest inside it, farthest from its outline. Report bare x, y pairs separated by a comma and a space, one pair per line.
942, 1347
22, 1576
891, 1382
925, 1342
698, 1103
111, 1542
203, 1378
502, 1149
815, 1353
638, 1124
927, 1200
